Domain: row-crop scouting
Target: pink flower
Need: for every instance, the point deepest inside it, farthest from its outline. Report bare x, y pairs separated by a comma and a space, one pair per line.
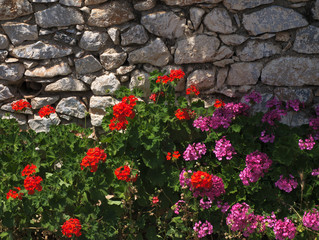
311, 219
223, 148
284, 229
203, 229
287, 184
308, 143
253, 97
315, 172
205, 204
266, 137
194, 151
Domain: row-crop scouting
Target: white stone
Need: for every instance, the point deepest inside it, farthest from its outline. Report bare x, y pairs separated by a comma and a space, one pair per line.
112, 59
140, 80
93, 41
56, 69
71, 106
39, 102
66, 84
105, 85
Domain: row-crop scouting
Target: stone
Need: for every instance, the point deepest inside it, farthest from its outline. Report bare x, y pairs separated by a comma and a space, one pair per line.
44, 1
282, 36
218, 20
196, 49
39, 102
88, 79
304, 95
295, 119
5, 93
93, 41
20, 32
65, 85
114, 34
223, 52
281, 19
223, 63
202, 79
239, 5
56, 17
135, 35
315, 10
188, 2
125, 70
97, 108
155, 53
4, 42
93, 2
87, 64
233, 39
164, 24
124, 79
140, 80
39, 124
11, 60
41, 50
56, 69
144, 5
112, 59
105, 85
44, 32
71, 106
71, 3
10, 9
196, 15
244, 73
264, 36
254, 50
64, 38
291, 71
29, 64
307, 40
111, 13
3, 55
11, 72
7, 107
221, 77
20, 118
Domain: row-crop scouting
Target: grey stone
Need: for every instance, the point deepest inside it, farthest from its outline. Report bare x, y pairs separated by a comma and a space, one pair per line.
88, 79
202, 79
11, 72
283, 36
244, 4
254, 50
264, 36
155, 53
164, 24
304, 95
223, 52
307, 40
223, 63
281, 19
295, 119
56, 17
114, 34
41, 50
144, 5
97, 108
3, 55
315, 10
4, 42
93, 41
5, 93
112, 59
221, 77
64, 38
20, 118
244, 73
87, 64
140, 80
135, 35
233, 39
44, 1
93, 2
196, 15
188, 2
66, 84
10, 9
218, 20
71, 3
111, 13
7, 107
125, 70
39, 124
39, 102
105, 85
44, 32
71, 106
56, 69
29, 64
124, 79
291, 71
20, 32
197, 49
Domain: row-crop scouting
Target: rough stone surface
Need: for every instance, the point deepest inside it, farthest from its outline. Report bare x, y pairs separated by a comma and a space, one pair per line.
20, 32
244, 73
135, 35
64, 38
71, 106
41, 50
218, 20
112, 59
56, 17
144, 5
111, 13
283, 36
197, 49
188, 2
291, 71
223, 52
3, 55
39, 102
13, 9
71, 3
11, 72
105, 85
125, 69
281, 19
203, 79
164, 24
4, 42
87, 64
66, 84
114, 34
196, 15
44, 1
57, 69
254, 50
155, 53
7, 107
304, 95
93, 41
295, 119
315, 10
140, 80
93, 2
233, 39
244, 4
5, 93
221, 77
20, 118
39, 124
307, 40
98, 104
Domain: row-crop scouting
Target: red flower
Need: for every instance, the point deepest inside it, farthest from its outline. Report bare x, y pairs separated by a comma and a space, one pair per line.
164, 79
201, 180
168, 156
124, 173
175, 156
20, 105
72, 226
46, 111
154, 96
176, 74
92, 158
31, 183
155, 201
219, 103
14, 194
192, 89
28, 170
184, 114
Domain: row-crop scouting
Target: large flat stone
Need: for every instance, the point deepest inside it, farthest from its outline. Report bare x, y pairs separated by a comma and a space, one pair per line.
93, 41
196, 14
203, 79
67, 84
11, 72
39, 124
11, 9
20, 118
244, 73
20, 32
71, 106
105, 85
57, 69
144, 5
112, 59
5, 93
188, 2
135, 35
233, 39
218, 20
87, 64
39, 102
307, 40
244, 4
93, 2
291, 71
272, 19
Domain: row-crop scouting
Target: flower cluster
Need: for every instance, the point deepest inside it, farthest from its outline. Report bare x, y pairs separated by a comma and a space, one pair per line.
122, 111
284, 229
223, 148
267, 137
124, 173
184, 114
46, 111
14, 194
192, 90
254, 97
20, 105
219, 103
223, 206
177, 206
205, 204
31, 183
273, 103
174, 74
154, 96
92, 158
308, 143
286, 184
315, 172
294, 104
201, 180
194, 151
175, 155
257, 163
271, 116
155, 201
203, 229
72, 226
29, 170
184, 178
311, 219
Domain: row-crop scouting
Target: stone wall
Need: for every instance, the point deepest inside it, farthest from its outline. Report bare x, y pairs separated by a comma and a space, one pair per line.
73, 54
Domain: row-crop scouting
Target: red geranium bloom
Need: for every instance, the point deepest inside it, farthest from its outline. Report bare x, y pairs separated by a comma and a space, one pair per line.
219, 103
176, 154
20, 105
92, 158
155, 201
72, 226
33, 183
124, 173
154, 96
184, 114
28, 170
164, 79
14, 194
176, 74
201, 180
168, 156
192, 89
46, 111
